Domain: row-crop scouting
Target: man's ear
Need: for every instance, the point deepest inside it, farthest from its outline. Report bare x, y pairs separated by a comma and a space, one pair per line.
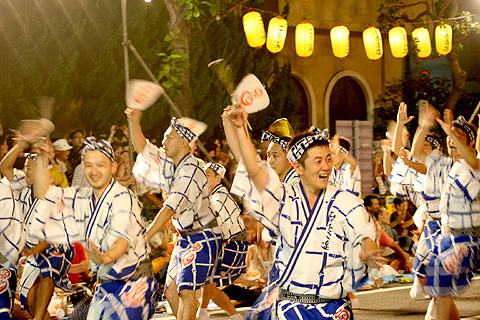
185, 144
298, 168
114, 167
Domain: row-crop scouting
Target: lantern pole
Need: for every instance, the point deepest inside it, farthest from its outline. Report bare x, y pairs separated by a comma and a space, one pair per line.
126, 65
127, 45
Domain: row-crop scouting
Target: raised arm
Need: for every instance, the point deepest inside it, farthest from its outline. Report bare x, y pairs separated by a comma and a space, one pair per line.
417, 166
387, 157
42, 179
134, 116
465, 151
425, 123
159, 222
6, 166
238, 117
231, 135
402, 120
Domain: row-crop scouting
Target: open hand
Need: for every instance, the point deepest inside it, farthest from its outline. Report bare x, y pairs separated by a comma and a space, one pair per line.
94, 253
402, 117
373, 258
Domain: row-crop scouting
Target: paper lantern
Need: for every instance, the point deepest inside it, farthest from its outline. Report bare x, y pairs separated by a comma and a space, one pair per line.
397, 37
304, 36
254, 29
443, 39
340, 38
277, 32
372, 40
422, 38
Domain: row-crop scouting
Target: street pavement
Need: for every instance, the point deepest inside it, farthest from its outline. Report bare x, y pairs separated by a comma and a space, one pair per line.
390, 302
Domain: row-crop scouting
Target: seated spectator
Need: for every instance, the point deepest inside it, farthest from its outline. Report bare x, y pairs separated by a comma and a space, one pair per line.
383, 222
402, 221
398, 258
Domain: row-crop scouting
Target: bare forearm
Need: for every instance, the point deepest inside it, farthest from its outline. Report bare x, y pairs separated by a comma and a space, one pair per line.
138, 139
417, 146
401, 254
6, 166
352, 161
397, 138
42, 180
160, 220
231, 139
116, 251
417, 166
387, 163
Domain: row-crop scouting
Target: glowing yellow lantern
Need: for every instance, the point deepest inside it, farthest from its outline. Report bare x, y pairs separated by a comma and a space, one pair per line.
340, 38
277, 32
304, 36
397, 37
443, 39
254, 29
372, 40
422, 38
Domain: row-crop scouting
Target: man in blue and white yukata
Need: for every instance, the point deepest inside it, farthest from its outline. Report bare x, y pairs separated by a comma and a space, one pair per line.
106, 219
452, 184
345, 171
174, 169
319, 256
233, 253
278, 136
47, 264
12, 240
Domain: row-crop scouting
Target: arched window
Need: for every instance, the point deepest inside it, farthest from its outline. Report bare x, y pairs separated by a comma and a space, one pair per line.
347, 102
301, 120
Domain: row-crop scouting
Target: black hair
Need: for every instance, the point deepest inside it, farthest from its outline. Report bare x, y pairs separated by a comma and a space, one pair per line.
367, 202
344, 142
397, 201
70, 136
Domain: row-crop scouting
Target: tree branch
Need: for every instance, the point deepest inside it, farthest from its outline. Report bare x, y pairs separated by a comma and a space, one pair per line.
205, 26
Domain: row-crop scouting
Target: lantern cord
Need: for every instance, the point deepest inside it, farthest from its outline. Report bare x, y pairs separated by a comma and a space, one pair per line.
273, 13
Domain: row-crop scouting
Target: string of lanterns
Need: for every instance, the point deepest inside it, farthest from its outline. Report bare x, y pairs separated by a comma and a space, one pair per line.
340, 38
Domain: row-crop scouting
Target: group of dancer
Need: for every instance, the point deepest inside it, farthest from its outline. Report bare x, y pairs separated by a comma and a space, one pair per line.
307, 198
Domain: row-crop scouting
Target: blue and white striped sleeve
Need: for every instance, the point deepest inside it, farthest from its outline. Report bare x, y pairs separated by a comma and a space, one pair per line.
265, 205
149, 167
55, 220
467, 180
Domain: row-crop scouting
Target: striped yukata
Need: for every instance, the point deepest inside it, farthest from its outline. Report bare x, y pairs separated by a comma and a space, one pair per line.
456, 250
12, 240
257, 311
345, 179
406, 183
233, 252
126, 288
194, 256
56, 260
319, 249
432, 185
